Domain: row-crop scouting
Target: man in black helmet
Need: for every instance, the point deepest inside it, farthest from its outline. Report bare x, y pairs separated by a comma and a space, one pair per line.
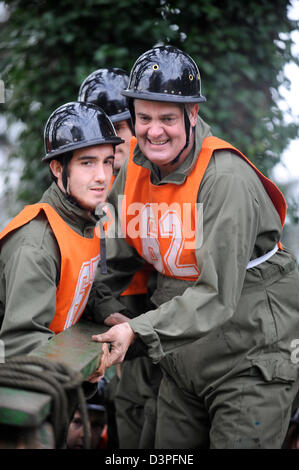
227, 295
103, 88
50, 250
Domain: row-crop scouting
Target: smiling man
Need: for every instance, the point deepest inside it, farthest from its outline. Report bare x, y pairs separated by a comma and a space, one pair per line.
160, 131
49, 251
226, 304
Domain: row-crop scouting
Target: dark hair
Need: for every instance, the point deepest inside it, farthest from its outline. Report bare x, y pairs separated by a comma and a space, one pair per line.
64, 159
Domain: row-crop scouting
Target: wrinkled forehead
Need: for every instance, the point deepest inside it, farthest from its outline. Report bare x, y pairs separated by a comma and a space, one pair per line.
157, 107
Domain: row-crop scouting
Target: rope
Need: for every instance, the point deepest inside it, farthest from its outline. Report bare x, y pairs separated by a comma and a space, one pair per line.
52, 378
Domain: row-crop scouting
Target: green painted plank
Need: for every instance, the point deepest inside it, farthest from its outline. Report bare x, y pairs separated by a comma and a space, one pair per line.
76, 349
22, 407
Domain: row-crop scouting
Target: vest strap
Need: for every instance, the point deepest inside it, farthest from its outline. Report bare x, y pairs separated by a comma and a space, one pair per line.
255, 262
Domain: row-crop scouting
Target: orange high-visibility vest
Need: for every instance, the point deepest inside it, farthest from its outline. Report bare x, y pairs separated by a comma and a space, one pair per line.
164, 231
79, 260
138, 284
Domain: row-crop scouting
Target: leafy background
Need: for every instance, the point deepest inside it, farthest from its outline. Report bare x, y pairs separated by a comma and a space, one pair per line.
47, 48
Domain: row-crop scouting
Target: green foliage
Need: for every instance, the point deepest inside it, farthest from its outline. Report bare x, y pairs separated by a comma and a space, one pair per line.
47, 48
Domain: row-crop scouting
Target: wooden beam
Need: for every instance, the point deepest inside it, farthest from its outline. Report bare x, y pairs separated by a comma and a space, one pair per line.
75, 348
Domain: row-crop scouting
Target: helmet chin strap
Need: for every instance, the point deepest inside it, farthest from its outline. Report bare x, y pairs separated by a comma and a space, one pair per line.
187, 130
64, 177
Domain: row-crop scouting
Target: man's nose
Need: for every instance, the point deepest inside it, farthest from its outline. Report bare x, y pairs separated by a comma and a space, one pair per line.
100, 173
155, 130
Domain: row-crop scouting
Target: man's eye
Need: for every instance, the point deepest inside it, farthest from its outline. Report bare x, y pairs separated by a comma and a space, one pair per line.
168, 119
77, 421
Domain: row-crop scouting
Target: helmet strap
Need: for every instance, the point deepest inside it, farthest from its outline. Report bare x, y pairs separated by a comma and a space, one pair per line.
65, 161
132, 112
187, 131
64, 176
103, 263
66, 158
131, 126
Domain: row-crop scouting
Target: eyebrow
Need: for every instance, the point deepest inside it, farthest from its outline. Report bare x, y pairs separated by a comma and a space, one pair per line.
92, 157
171, 114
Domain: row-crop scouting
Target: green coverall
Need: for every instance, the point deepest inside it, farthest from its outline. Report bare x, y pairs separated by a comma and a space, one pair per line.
224, 342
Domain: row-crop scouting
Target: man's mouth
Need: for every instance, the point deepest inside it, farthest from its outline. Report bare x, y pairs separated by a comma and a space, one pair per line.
98, 189
158, 142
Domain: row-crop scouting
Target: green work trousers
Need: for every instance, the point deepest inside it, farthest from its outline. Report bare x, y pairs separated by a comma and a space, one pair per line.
135, 403
234, 388
245, 412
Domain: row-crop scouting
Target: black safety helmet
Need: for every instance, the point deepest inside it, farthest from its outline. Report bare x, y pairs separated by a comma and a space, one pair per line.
103, 88
77, 125
167, 74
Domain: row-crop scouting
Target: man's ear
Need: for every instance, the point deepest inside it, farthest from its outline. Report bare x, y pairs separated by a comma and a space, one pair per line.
193, 114
56, 169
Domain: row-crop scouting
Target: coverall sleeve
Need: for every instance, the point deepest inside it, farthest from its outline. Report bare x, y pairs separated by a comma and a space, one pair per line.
231, 216
30, 281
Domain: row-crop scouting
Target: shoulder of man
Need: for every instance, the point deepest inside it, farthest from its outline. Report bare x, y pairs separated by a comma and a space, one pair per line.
36, 234
228, 163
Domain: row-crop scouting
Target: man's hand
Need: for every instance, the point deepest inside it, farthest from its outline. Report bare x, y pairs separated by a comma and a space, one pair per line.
115, 319
120, 337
